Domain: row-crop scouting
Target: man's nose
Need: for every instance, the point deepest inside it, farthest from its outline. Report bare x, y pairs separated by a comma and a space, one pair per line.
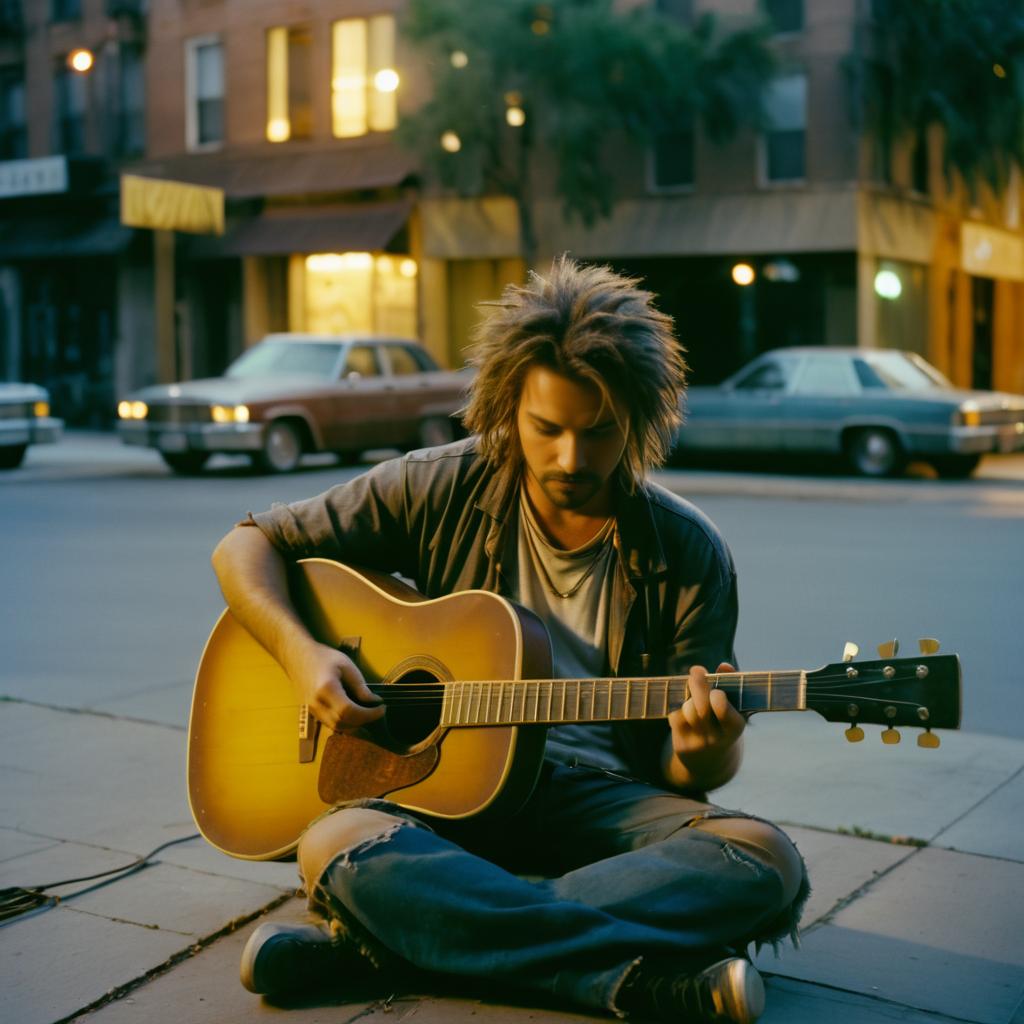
570, 453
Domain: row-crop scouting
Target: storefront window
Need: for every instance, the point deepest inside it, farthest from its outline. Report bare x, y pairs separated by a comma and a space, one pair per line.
358, 292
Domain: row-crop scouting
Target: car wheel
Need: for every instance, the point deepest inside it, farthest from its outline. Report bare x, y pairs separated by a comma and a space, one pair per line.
875, 451
185, 463
956, 467
435, 431
11, 456
282, 448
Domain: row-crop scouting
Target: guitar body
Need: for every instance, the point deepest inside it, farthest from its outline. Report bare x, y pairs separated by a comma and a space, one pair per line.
259, 770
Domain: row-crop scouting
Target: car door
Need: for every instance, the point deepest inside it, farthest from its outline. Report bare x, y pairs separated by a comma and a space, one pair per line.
824, 394
414, 390
365, 405
752, 405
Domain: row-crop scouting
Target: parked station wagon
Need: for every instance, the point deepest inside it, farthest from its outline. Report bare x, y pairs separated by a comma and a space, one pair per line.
295, 393
877, 408
24, 419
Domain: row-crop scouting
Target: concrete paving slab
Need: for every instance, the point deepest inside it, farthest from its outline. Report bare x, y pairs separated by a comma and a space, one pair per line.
177, 899
58, 961
793, 1002
838, 866
994, 827
16, 844
940, 932
800, 769
92, 779
201, 856
60, 860
167, 704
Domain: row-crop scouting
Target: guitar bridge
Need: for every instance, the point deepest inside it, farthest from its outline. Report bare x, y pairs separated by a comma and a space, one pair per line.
309, 733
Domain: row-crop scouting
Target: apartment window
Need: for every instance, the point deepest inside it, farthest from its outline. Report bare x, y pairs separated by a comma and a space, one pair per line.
785, 15
69, 110
363, 76
289, 84
13, 134
65, 10
10, 17
131, 135
204, 126
672, 160
785, 108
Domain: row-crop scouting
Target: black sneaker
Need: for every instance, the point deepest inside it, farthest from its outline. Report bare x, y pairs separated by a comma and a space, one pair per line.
729, 990
280, 959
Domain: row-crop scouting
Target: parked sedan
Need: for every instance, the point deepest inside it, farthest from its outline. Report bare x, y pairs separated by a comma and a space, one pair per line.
878, 408
295, 393
24, 419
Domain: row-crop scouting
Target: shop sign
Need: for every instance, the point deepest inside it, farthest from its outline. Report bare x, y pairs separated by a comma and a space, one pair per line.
33, 177
990, 252
171, 205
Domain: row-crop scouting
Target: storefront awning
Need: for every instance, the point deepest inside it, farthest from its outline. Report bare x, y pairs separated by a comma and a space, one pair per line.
55, 238
342, 168
307, 229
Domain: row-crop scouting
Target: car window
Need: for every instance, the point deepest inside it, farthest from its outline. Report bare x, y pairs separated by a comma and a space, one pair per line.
900, 371
403, 362
826, 375
361, 361
286, 358
770, 375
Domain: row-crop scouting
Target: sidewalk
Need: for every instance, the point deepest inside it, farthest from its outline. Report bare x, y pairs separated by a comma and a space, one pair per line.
917, 860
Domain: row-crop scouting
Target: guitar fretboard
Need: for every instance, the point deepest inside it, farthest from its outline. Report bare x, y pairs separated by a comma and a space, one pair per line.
552, 701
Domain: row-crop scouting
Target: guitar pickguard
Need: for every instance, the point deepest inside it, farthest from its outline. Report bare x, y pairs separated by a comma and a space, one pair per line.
353, 767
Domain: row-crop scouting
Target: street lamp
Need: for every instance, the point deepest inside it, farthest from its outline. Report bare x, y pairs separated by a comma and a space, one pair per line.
81, 60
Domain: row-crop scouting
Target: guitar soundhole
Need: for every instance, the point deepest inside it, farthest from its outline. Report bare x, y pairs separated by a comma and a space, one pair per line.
414, 711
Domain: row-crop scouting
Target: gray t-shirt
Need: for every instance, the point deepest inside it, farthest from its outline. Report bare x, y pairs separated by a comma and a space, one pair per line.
571, 591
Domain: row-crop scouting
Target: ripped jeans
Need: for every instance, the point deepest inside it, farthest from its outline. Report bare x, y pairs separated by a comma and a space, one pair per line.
628, 872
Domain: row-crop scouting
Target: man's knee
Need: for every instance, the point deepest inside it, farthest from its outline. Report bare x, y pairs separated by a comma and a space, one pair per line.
331, 836
764, 842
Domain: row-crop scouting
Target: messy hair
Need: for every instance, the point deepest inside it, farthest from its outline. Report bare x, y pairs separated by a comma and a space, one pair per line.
590, 324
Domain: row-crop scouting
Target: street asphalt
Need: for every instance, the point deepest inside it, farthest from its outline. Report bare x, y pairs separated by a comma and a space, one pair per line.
916, 857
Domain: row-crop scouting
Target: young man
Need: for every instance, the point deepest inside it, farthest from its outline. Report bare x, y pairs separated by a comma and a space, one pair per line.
649, 895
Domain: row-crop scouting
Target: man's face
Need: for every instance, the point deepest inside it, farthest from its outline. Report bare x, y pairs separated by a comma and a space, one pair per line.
572, 441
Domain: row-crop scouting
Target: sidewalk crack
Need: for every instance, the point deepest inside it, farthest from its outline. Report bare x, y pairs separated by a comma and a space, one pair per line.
987, 796
7, 699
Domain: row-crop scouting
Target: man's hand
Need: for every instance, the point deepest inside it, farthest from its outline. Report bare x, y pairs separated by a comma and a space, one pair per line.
335, 690
704, 745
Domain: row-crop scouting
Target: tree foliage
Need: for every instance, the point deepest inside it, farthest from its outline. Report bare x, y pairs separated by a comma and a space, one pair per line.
954, 63
586, 74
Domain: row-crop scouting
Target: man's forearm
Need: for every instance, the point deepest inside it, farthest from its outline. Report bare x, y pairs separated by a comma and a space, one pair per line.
253, 577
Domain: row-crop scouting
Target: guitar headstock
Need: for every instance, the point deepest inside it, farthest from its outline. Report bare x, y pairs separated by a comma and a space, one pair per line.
890, 691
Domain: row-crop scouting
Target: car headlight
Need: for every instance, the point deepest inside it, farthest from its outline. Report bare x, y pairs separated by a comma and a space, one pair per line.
41, 409
132, 410
229, 413
969, 415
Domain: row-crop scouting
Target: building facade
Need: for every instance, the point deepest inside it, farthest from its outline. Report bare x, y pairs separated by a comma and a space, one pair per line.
289, 108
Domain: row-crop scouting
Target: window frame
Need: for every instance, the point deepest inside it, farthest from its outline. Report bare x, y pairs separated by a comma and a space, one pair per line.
192, 45
764, 181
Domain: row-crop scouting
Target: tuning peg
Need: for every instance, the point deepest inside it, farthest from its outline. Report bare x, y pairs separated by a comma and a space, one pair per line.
928, 739
850, 651
855, 734
890, 736
889, 649
928, 645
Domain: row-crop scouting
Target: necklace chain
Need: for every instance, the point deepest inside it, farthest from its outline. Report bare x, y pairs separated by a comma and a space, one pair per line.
532, 531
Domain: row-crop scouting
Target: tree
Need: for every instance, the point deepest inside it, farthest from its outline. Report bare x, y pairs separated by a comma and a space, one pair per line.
958, 64
515, 81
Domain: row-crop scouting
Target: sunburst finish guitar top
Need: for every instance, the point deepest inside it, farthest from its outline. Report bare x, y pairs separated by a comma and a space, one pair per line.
466, 680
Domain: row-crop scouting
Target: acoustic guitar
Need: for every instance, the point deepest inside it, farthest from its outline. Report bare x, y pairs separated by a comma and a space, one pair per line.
466, 680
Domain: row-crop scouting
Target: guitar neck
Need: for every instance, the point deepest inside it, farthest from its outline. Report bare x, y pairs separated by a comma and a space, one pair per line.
554, 701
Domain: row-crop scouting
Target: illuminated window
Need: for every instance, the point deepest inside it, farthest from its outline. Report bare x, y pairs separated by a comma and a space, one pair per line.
785, 107
289, 84
204, 117
363, 77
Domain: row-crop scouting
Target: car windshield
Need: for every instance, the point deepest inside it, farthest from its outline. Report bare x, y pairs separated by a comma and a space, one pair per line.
898, 370
288, 359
